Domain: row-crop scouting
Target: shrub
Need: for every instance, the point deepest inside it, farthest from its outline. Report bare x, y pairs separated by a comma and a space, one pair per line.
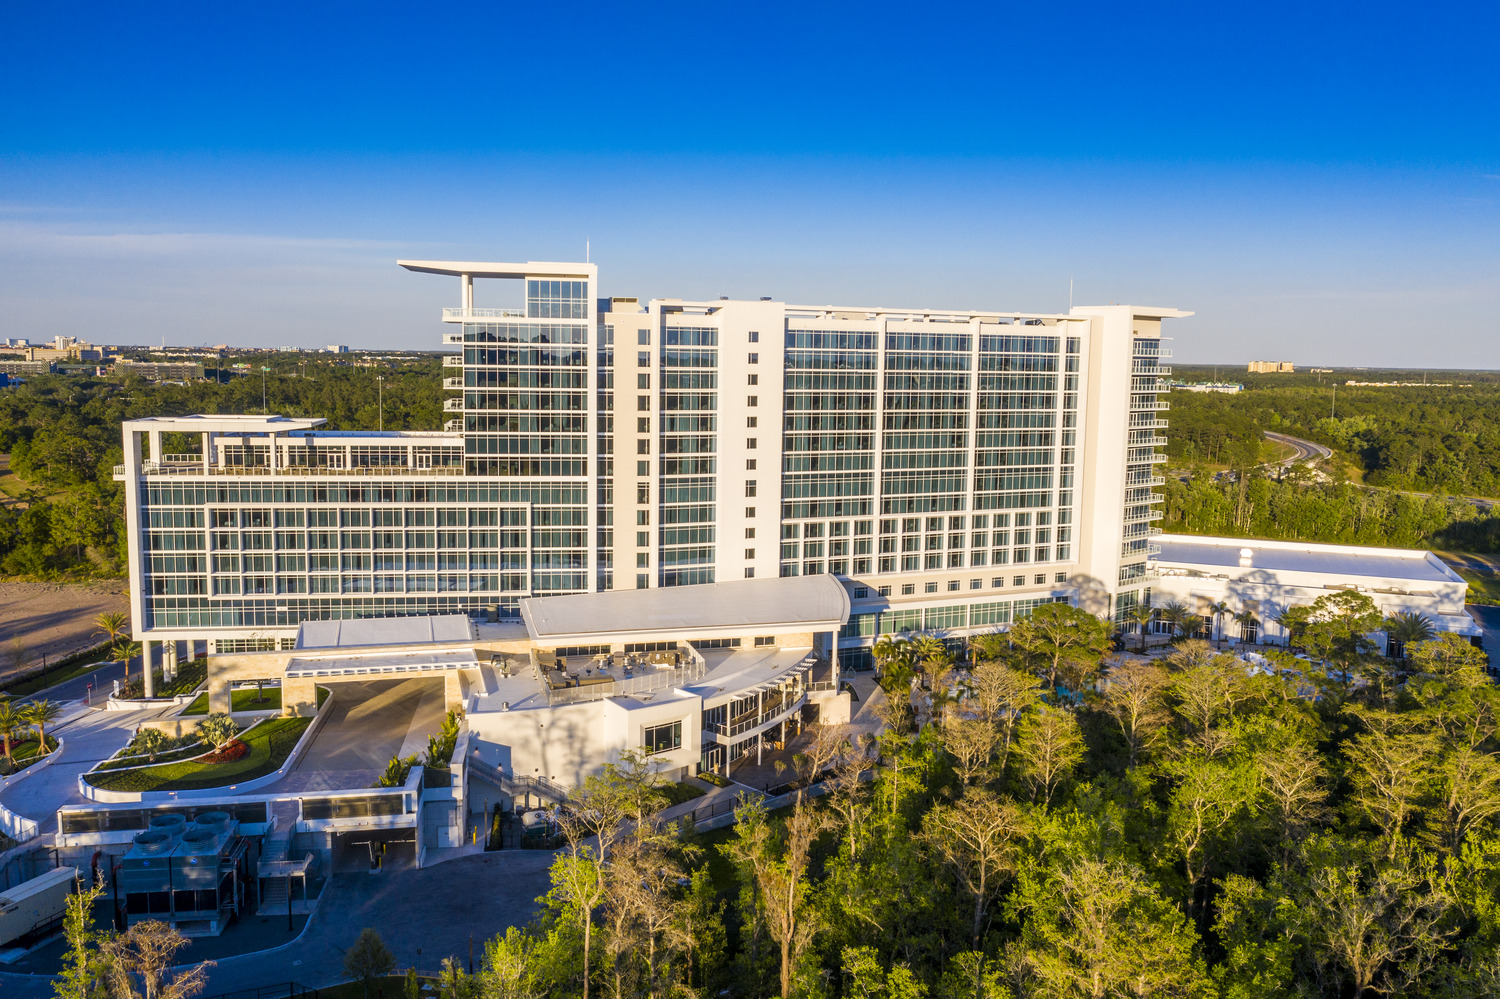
217, 729
228, 753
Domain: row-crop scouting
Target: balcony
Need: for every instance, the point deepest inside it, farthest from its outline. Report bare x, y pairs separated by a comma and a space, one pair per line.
453, 405
454, 383
1142, 516
1140, 367
1154, 406
478, 315
1147, 481
453, 360
1141, 350
454, 426
727, 732
453, 338
1147, 423
182, 468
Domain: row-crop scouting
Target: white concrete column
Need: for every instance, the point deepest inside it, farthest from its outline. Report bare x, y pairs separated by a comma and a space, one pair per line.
154, 436
271, 441
466, 284
207, 453
833, 657
147, 677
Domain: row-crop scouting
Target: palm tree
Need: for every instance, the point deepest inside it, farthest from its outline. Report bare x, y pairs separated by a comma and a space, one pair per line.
1247, 621
1141, 616
1405, 628
1219, 610
1180, 616
112, 625
40, 714
11, 718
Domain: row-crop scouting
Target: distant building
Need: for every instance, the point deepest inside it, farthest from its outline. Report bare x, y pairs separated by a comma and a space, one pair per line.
13, 367
161, 371
336, 348
66, 348
1271, 367
1228, 388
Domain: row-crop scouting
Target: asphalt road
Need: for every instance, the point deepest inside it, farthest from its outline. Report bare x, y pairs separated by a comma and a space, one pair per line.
1306, 450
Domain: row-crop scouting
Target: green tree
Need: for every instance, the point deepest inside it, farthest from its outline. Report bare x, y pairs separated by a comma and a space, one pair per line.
1405, 629
12, 719
40, 714
1064, 643
778, 858
1096, 928
368, 959
977, 837
1050, 746
83, 969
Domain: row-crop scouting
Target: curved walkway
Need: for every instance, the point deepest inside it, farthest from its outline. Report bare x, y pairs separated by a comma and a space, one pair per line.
89, 735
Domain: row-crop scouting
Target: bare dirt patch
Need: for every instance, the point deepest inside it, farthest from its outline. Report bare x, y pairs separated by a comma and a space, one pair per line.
55, 618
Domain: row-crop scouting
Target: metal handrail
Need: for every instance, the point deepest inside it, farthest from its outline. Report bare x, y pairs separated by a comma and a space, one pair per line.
451, 314
513, 785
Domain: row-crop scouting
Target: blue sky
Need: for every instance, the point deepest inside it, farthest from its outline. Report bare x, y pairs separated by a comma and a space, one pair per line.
1317, 182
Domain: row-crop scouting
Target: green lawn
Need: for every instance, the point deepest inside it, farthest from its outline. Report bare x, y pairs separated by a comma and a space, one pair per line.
23, 751
241, 699
1484, 588
270, 742
75, 665
678, 793
171, 756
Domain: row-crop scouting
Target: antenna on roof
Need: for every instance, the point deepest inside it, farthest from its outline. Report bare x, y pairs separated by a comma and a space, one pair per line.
1070, 293
586, 251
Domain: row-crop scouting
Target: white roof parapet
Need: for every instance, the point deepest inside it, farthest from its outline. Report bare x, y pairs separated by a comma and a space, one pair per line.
531, 268
225, 423
799, 603
1301, 556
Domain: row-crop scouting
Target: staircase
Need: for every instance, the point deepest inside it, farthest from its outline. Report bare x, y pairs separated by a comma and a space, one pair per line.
517, 786
273, 895
278, 843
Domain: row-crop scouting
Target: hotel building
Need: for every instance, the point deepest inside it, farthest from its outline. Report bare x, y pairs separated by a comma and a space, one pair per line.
952, 468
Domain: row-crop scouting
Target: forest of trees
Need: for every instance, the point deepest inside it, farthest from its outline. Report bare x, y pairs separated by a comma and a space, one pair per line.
1186, 828
1420, 438
62, 433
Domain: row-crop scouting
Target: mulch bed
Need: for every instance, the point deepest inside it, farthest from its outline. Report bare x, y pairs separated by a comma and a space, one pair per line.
235, 750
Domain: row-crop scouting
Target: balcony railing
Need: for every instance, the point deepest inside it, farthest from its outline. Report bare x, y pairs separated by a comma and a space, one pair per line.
1155, 406
1140, 367
453, 360
453, 383
454, 426
1145, 480
453, 338
178, 468
781, 712
462, 315
1147, 423
453, 405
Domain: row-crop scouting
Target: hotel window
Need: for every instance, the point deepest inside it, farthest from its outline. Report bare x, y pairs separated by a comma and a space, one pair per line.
643, 380
749, 464
750, 573
749, 552
557, 299
754, 358
751, 421
643, 337
752, 400
754, 337
754, 380
750, 488
643, 359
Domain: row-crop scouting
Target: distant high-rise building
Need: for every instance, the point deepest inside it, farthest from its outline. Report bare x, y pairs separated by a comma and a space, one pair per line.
954, 468
1270, 367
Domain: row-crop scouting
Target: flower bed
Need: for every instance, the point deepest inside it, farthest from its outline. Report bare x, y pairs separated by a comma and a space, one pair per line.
236, 750
268, 744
